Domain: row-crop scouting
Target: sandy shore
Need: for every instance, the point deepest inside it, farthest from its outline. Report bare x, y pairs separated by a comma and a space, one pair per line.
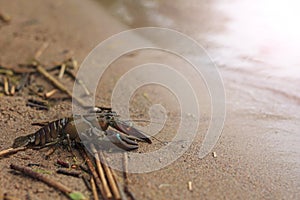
257, 154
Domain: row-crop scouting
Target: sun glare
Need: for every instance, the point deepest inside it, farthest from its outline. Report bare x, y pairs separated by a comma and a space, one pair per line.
265, 30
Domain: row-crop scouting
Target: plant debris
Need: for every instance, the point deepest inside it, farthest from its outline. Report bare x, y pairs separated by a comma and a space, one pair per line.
38, 104
190, 187
63, 163
5, 18
52, 183
214, 154
69, 172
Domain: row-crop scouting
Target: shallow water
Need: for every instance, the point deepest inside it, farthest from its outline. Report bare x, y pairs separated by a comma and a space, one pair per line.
263, 33
260, 37
254, 44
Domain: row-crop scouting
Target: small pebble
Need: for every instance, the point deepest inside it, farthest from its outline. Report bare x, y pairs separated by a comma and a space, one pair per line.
164, 185
39, 190
190, 186
214, 154
17, 186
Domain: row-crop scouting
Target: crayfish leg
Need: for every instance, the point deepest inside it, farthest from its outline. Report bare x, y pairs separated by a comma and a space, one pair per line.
70, 146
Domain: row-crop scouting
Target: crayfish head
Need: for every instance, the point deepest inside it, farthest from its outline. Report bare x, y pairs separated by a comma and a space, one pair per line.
21, 141
103, 123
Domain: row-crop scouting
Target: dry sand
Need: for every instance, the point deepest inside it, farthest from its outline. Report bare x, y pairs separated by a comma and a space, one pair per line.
257, 154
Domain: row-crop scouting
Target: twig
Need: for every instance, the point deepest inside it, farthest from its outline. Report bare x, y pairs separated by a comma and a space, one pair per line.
12, 89
7, 72
11, 151
110, 177
93, 171
9, 197
94, 190
86, 90
50, 93
39, 107
86, 181
5, 18
127, 191
23, 82
125, 174
190, 187
62, 70
101, 172
52, 183
125, 167
117, 184
122, 192
63, 163
69, 173
59, 85
5, 83
41, 50
84, 168
42, 105
38, 102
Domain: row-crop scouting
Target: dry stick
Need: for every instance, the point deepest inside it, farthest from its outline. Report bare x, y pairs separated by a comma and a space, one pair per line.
5, 18
41, 50
121, 192
94, 189
86, 179
110, 177
23, 82
12, 89
59, 85
86, 90
63, 163
5, 83
69, 173
42, 178
36, 105
101, 172
8, 197
93, 171
125, 174
62, 70
50, 93
190, 187
1, 194
11, 151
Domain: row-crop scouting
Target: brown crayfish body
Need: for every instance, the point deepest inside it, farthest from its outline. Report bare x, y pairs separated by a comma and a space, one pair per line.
99, 126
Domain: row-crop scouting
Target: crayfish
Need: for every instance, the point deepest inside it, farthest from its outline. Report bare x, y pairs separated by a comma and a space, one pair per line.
100, 125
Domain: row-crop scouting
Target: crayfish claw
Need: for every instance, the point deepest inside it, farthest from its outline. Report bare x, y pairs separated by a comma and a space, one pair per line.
121, 141
130, 130
127, 139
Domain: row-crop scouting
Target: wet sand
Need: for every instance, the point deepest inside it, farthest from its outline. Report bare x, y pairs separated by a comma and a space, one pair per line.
257, 155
